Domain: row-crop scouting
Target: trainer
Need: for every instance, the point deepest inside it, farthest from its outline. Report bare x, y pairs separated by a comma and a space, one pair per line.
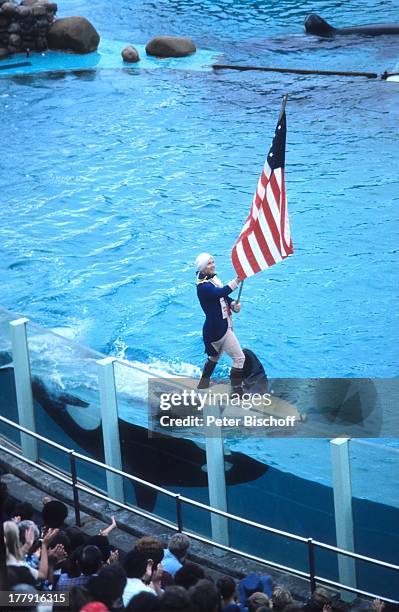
218, 332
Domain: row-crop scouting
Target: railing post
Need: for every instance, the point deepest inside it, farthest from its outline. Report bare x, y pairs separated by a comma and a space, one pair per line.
110, 426
23, 386
179, 514
75, 490
343, 512
311, 563
216, 477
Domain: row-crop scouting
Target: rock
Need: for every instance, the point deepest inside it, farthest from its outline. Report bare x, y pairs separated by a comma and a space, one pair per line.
39, 10
42, 24
9, 8
73, 34
12, 49
14, 28
130, 54
41, 44
3, 53
14, 41
170, 46
24, 12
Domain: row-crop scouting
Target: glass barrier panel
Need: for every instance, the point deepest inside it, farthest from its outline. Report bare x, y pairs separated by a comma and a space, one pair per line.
375, 492
197, 520
92, 475
8, 400
177, 464
66, 397
269, 546
286, 485
54, 457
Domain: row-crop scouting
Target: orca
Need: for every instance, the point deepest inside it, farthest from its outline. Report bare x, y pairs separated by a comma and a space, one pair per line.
164, 460
314, 24
255, 377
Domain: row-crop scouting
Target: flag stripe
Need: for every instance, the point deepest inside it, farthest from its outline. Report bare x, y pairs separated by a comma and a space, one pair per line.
264, 247
237, 265
243, 262
265, 229
250, 255
275, 187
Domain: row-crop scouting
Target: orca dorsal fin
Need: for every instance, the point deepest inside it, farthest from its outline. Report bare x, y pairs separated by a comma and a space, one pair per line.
314, 24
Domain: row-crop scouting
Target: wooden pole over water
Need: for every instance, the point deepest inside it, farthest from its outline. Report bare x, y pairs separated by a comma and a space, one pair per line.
369, 75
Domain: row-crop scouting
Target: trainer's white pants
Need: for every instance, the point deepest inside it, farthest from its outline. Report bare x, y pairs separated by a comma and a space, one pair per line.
229, 344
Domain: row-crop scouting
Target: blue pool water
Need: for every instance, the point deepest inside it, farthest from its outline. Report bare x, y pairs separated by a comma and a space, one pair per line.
119, 179
112, 181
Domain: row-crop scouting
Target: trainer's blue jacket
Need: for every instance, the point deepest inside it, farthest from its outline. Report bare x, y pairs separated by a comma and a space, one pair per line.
215, 303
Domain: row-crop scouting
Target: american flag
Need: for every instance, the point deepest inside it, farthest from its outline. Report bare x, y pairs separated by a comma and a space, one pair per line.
265, 238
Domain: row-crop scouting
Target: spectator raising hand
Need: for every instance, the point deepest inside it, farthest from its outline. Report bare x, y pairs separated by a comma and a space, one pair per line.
107, 530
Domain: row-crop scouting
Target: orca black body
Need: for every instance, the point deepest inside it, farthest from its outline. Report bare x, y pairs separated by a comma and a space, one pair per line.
314, 24
255, 377
163, 460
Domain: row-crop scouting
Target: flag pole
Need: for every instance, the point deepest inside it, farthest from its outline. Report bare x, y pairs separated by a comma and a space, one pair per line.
239, 292
283, 105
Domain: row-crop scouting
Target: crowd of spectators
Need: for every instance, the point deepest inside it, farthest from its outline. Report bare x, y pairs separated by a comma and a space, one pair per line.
46, 556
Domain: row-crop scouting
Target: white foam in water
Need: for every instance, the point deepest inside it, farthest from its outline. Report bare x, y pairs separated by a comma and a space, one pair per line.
77, 330
132, 376
107, 57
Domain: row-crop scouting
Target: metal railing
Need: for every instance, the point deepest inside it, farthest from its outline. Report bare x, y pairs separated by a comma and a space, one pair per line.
310, 544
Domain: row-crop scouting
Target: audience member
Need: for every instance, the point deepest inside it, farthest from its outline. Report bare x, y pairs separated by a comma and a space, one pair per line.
78, 598
77, 537
175, 555
89, 562
15, 555
103, 544
137, 571
204, 597
54, 513
175, 599
257, 600
188, 575
144, 602
320, 598
24, 511
94, 606
19, 574
152, 548
254, 583
281, 597
227, 592
108, 586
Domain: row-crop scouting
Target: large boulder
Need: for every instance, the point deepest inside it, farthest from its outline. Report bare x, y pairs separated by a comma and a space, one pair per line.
170, 46
73, 34
9, 8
